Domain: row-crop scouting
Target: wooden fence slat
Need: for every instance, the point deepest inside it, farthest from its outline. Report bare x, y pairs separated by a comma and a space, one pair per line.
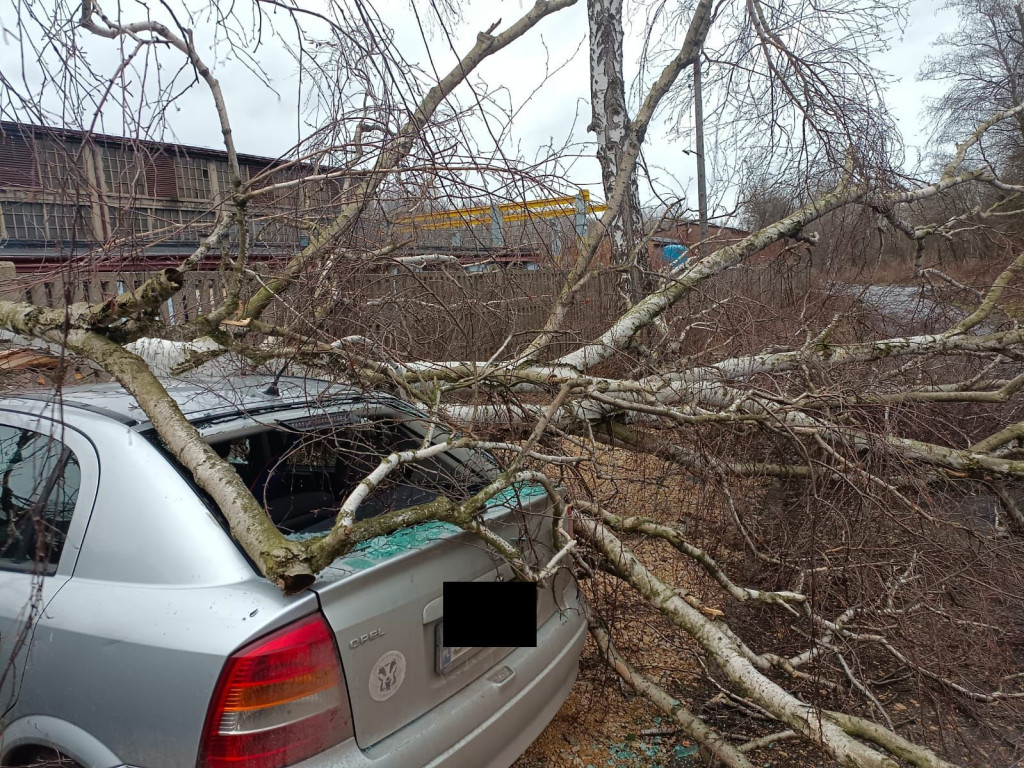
212, 283
165, 313
93, 290
198, 290
56, 289
9, 282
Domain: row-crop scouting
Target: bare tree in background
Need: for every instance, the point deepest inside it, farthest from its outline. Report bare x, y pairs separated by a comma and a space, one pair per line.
763, 200
982, 64
800, 460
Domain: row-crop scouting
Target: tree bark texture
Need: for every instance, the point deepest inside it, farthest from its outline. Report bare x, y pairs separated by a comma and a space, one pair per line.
610, 123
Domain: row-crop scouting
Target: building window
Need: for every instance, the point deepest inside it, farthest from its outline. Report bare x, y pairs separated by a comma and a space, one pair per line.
166, 224
224, 181
69, 223
40, 223
171, 225
198, 224
124, 172
193, 177
320, 196
285, 199
25, 221
61, 167
127, 222
271, 232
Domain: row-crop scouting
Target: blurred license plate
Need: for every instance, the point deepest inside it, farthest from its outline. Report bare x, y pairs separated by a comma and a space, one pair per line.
450, 658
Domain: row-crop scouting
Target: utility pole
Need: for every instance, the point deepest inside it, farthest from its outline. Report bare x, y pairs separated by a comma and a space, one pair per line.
702, 190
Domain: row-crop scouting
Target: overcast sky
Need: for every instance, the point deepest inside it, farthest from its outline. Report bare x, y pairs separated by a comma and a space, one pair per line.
268, 124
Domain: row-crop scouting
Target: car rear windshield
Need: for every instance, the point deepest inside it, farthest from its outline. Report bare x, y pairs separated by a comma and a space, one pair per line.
303, 471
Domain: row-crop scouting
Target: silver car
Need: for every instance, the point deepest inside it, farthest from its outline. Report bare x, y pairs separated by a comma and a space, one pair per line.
133, 631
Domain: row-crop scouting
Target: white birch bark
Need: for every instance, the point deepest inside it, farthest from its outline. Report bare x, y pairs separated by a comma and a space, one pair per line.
611, 124
722, 648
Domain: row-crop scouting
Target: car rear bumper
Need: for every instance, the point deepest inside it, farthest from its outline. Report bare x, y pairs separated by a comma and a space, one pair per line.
490, 722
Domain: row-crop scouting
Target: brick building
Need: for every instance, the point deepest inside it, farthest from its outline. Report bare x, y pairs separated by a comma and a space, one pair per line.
129, 204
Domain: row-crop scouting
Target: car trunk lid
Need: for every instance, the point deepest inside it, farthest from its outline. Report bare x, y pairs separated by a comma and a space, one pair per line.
384, 603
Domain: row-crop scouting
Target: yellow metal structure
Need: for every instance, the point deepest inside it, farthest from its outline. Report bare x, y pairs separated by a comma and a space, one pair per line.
549, 208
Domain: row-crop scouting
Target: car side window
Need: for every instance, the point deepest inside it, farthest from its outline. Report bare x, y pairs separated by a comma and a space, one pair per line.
39, 484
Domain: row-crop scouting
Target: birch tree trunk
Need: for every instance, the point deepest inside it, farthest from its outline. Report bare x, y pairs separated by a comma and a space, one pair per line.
610, 123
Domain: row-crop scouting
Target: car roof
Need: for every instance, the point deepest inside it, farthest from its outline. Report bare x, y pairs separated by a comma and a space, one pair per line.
200, 399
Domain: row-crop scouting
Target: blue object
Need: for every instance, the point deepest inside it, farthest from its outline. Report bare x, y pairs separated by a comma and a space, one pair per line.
675, 254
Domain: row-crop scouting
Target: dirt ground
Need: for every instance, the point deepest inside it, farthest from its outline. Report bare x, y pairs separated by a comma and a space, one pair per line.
600, 727
603, 725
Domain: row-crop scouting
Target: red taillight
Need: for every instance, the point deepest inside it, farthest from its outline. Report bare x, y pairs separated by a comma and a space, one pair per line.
278, 701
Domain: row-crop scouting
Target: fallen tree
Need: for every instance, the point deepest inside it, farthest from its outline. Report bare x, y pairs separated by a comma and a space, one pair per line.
827, 470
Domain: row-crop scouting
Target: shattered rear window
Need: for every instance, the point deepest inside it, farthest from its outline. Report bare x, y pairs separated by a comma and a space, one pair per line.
302, 471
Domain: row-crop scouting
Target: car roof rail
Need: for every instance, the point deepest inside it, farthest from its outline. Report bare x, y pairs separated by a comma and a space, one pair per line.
121, 418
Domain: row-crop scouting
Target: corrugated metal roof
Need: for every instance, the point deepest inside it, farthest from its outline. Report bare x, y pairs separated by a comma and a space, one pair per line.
9, 128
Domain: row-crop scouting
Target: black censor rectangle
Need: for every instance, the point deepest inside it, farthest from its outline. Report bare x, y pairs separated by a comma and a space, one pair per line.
490, 613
